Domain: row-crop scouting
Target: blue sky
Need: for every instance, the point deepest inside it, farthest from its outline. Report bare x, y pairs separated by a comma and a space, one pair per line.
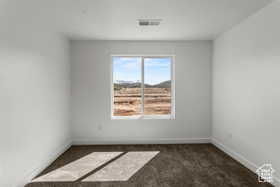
129, 69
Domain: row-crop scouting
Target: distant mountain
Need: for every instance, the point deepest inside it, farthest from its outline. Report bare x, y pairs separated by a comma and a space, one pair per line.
124, 84
118, 86
164, 84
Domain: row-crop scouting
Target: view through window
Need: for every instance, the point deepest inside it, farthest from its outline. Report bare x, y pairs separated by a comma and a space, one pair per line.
142, 86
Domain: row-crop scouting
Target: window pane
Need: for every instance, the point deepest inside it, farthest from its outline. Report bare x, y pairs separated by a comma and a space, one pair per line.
157, 81
127, 86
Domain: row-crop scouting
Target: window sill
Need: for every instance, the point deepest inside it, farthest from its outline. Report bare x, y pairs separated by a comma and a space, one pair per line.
170, 117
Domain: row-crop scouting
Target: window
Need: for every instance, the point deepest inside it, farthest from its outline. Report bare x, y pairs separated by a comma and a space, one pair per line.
142, 87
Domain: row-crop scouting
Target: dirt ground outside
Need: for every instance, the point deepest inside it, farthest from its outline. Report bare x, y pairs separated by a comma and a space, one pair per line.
127, 101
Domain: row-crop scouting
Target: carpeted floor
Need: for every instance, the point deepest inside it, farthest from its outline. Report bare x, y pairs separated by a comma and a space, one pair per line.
186, 165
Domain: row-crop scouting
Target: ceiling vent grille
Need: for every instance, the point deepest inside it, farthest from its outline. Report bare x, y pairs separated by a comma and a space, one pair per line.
149, 22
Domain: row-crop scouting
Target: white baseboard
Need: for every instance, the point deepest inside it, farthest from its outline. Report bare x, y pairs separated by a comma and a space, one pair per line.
38, 169
240, 158
98, 141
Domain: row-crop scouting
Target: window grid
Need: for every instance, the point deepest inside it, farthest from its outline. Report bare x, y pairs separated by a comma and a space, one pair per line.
142, 115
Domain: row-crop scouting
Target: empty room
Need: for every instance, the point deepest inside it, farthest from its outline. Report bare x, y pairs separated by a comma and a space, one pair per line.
139, 93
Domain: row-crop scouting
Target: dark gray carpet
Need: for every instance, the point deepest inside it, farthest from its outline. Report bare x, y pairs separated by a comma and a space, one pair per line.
186, 165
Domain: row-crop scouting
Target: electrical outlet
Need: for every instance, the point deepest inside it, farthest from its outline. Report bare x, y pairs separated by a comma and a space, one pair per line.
99, 127
229, 135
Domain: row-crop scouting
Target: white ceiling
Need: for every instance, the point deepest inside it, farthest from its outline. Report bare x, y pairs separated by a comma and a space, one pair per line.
116, 19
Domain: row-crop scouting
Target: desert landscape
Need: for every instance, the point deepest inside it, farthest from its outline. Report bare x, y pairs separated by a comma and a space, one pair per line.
127, 99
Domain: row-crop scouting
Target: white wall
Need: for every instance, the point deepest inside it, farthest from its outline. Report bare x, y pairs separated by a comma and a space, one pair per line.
90, 88
246, 91
34, 94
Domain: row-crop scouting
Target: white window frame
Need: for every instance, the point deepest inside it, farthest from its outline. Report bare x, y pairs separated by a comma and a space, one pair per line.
142, 116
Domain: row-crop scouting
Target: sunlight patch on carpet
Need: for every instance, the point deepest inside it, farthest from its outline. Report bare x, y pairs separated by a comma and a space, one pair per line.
123, 168
78, 168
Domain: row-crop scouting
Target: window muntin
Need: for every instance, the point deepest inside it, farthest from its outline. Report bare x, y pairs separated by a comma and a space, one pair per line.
142, 87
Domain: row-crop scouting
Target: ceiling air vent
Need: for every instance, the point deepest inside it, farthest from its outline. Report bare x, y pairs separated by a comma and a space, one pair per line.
149, 22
